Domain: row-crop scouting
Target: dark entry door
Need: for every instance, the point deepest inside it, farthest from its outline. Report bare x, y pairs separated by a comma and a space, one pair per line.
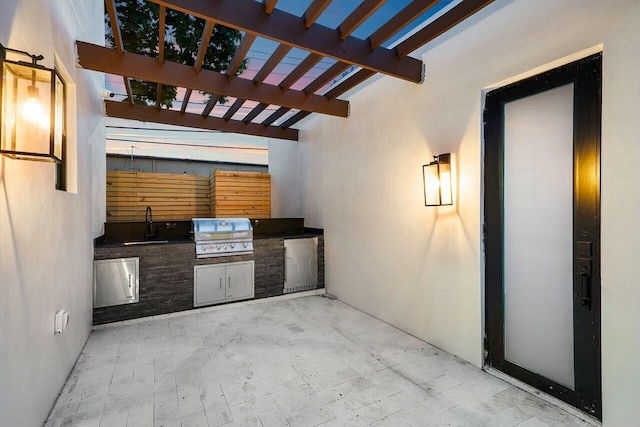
542, 232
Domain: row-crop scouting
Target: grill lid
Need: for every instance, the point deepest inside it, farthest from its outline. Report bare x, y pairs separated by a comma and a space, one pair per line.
222, 229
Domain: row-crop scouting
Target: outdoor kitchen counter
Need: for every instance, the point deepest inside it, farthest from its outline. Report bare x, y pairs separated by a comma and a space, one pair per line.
167, 272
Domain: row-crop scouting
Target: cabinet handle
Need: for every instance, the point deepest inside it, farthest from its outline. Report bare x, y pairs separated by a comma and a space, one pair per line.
229, 282
221, 283
129, 281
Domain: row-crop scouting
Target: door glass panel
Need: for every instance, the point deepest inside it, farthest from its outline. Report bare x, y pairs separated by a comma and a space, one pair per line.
538, 234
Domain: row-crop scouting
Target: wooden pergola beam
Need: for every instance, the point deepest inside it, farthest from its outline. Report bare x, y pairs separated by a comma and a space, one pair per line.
202, 50
117, 40
302, 68
254, 113
314, 11
249, 16
275, 116
241, 53
273, 61
358, 16
106, 60
170, 117
450, 19
269, 5
233, 109
161, 29
397, 22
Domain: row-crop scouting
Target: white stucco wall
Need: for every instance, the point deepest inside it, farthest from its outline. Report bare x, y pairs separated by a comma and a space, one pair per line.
286, 187
46, 235
420, 268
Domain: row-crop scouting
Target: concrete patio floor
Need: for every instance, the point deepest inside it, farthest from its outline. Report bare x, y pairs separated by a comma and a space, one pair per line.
310, 361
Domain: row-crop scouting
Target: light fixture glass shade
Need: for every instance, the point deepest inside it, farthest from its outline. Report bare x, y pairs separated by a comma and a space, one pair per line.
27, 112
437, 181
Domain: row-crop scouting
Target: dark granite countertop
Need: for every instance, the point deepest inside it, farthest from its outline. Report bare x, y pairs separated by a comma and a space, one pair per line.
306, 233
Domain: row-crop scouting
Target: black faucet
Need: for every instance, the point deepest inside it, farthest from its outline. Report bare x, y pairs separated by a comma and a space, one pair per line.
148, 220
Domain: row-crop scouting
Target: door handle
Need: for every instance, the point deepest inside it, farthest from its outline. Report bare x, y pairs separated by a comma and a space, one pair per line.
585, 279
584, 270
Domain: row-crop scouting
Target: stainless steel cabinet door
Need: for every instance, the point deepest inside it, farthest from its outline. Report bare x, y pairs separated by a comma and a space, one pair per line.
210, 283
115, 281
240, 280
301, 264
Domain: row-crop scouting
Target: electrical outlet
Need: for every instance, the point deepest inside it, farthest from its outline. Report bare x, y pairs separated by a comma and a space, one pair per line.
61, 320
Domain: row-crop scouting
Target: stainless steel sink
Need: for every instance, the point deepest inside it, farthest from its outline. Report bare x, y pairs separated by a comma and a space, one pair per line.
146, 242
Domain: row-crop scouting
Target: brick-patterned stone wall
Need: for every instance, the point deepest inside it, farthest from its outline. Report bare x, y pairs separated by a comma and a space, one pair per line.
269, 267
166, 275
320, 261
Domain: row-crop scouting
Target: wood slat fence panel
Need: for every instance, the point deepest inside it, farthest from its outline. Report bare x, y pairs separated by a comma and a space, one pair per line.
170, 196
183, 197
241, 194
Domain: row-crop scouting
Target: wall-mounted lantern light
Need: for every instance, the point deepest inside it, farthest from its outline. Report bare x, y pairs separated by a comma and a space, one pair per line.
32, 109
437, 181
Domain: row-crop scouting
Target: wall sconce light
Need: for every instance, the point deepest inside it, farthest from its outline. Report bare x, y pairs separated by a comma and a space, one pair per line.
437, 181
32, 109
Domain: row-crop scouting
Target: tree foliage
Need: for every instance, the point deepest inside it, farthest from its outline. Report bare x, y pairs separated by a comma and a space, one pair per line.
139, 27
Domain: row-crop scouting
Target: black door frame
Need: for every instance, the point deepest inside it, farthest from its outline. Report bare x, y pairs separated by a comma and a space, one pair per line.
586, 74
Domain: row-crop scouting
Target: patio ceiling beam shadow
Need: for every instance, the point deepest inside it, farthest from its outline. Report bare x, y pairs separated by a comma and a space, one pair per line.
106, 60
249, 16
169, 117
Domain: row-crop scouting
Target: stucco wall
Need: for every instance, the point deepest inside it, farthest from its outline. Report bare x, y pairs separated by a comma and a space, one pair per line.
420, 268
46, 235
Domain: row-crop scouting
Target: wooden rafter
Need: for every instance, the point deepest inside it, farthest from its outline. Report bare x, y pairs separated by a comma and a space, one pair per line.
241, 53
326, 77
273, 61
210, 104
302, 68
269, 5
161, 29
170, 117
397, 22
294, 119
106, 60
232, 68
254, 113
314, 11
202, 50
358, 16
275, 116
117, 40
249, 15
233, 109
453, 17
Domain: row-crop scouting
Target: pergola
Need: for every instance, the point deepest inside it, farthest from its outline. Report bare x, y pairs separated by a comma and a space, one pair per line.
264, 19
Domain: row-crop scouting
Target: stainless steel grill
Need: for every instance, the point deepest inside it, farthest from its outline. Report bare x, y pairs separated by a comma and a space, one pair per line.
222, 237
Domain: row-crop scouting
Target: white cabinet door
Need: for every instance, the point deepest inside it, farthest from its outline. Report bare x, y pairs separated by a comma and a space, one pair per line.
210, 283
240, 280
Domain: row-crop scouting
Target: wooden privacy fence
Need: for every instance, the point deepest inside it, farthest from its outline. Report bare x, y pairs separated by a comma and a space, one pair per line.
241, 194
182, 197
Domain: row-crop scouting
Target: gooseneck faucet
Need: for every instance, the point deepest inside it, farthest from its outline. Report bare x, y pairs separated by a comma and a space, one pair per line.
148, 219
